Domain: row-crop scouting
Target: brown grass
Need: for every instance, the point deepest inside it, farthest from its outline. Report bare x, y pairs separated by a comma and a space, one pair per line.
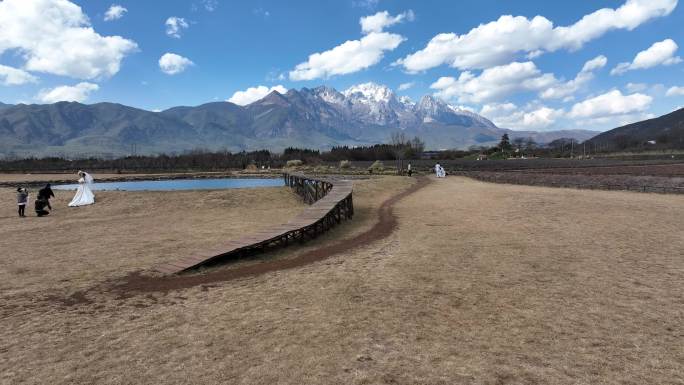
480, 284
125, 231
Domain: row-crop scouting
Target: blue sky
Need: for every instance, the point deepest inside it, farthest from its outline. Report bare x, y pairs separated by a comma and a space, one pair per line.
524, 71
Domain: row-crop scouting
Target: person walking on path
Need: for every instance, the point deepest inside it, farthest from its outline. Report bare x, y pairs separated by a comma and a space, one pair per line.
22, 200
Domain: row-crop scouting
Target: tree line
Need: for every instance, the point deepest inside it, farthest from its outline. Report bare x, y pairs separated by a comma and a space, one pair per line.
399, 148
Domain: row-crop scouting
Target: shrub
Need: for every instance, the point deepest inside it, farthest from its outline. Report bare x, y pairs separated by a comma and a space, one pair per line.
345, 164
293, 163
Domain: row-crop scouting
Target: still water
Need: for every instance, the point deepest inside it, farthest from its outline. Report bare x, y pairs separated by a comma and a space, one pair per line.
180, 184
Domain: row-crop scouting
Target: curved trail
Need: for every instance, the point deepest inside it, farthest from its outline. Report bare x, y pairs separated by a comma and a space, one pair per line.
137, 283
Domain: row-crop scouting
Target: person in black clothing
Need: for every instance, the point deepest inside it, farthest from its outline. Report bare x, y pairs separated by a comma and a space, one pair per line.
40, 207
45, 194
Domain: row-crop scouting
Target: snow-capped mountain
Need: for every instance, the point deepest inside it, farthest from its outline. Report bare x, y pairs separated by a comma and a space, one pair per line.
431, 109
370, 112
321, 117
370, 93
376, 104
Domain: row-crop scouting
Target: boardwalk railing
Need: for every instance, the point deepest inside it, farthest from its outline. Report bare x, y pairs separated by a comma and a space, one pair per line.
329, 203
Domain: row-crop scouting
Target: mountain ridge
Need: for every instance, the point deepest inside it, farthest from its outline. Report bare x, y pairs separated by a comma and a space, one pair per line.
319, 117
663, 132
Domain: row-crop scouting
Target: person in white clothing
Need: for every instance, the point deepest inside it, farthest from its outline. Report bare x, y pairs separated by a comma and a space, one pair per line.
439, 171
84, 195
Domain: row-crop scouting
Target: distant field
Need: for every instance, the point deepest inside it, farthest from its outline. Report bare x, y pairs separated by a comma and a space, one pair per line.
649, 177
665, 170
457, 165
480, 283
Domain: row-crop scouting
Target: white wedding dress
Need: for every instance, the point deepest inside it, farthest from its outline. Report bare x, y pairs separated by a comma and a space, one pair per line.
439, 171
84, 195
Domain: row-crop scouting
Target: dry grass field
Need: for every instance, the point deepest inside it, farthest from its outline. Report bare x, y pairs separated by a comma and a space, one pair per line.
125, 231
479, 284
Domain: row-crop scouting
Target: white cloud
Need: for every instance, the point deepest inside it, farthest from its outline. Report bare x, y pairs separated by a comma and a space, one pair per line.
493, 83
500, 41
497, 109
172, 64
115, 12
11, 76
655, 90
675, 91
406, 86
369, 4
252, 94
660, 53
534, 54
77, 93
55, 36
596, 63
210, 5
620, 69
465, 108
540, 118
636, 87
348, 57
381, 20
175, 26
611, 103
532, 117
354, 55
567, 89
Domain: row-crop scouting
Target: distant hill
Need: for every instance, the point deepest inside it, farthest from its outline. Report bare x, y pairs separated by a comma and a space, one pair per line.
319, 118
665, 132
549, 136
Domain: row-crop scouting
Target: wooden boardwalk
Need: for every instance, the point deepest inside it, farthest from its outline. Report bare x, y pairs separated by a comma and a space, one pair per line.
329, 201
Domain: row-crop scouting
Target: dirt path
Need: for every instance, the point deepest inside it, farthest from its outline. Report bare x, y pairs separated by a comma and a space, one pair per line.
138, 283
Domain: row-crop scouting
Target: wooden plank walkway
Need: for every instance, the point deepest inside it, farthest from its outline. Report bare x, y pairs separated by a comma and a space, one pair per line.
330, 202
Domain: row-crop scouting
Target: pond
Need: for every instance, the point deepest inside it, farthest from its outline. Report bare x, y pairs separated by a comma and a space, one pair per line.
180, 184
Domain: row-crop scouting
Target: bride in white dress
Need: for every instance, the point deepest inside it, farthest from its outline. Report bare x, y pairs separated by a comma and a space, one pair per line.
439, 171
84, 195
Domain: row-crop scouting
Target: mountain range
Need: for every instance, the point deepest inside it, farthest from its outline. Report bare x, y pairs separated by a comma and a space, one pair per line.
320, 118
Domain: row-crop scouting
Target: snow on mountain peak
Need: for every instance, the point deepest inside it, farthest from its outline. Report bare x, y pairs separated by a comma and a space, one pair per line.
406, 101
370, 91
376, 104
329, 95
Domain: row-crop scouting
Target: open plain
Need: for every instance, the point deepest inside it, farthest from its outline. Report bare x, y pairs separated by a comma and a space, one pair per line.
475, 283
